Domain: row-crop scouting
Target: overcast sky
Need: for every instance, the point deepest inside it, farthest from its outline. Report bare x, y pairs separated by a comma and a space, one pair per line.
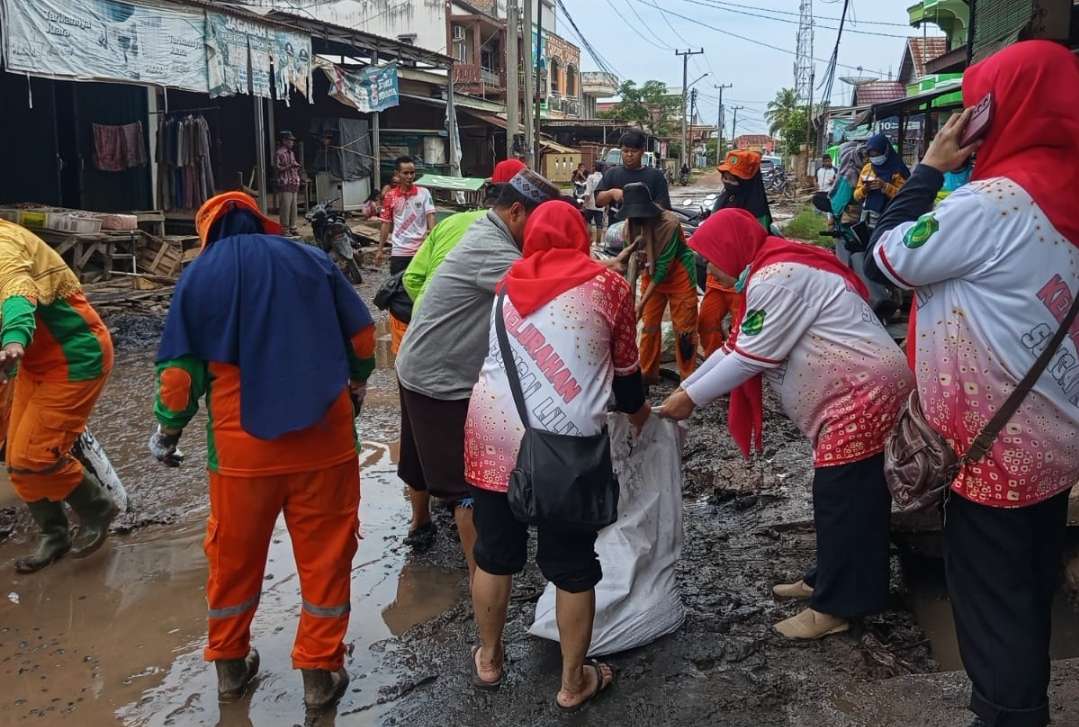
756, 72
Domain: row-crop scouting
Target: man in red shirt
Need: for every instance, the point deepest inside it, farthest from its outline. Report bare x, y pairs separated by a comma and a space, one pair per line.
287, 170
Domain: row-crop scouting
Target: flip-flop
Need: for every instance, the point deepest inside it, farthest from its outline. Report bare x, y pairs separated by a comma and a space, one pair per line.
600, 688
422, 537
479, 683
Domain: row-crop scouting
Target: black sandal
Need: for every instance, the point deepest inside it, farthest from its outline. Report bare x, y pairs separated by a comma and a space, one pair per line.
600, 687
482, 684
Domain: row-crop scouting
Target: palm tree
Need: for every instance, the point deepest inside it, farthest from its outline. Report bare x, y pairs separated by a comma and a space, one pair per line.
780, 110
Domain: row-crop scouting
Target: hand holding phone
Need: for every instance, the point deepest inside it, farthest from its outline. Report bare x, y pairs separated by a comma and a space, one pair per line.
979, 122
946, 153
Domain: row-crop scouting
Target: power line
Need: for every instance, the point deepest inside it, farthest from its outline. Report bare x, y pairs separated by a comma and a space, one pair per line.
815, 17
721, 6
600, 60
663, 46
754, 41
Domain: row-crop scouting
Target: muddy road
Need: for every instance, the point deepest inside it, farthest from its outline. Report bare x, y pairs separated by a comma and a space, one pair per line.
117, 638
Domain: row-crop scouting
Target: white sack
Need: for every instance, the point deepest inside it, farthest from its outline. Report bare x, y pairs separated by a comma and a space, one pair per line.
638, 600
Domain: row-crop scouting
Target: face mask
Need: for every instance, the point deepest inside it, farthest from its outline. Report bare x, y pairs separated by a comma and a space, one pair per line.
740, 284
878, 160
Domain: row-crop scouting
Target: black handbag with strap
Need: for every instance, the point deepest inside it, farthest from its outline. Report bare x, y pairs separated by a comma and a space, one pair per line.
560, 480
393, 297
919, 463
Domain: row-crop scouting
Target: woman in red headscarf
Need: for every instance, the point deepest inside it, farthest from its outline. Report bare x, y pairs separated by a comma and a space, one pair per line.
572, 328
996, 268
808, 330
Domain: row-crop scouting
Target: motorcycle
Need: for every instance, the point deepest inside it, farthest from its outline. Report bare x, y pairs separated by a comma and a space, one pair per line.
335, 237
683, 179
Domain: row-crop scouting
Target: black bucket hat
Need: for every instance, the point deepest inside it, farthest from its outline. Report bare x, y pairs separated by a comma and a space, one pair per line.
637, 202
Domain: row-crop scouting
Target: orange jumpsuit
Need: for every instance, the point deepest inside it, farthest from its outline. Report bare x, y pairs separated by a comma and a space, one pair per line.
311, 475
68, 357
675, 287
716, 304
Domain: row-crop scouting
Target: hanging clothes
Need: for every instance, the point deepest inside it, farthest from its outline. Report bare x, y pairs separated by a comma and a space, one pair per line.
119, 147
185, 170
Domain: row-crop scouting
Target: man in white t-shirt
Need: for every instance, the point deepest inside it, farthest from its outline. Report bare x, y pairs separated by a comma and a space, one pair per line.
408, 214
826, 175
593, 213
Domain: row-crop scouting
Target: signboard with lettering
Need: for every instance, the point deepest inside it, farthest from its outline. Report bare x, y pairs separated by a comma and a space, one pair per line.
245, 56
106, 40
369, 89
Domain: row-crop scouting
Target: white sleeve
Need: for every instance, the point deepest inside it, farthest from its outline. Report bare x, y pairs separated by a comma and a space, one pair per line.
727, 374
775, 320
952, 241
428, 202
708, 365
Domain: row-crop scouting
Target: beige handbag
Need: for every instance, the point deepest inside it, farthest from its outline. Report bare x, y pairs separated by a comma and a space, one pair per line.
919, 463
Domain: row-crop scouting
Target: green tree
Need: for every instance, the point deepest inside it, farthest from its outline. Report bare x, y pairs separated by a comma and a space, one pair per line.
651, 105
780, 110
794, 132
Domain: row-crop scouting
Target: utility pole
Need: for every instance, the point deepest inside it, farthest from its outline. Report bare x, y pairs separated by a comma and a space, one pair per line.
734, 124
512, 99
719, 121
529, 85
540, 91
692, 121
685, 89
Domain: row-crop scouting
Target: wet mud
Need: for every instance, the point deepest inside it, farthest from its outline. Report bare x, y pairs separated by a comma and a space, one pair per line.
117, 638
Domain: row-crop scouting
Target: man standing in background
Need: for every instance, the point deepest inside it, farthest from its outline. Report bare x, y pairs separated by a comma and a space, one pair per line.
408, 214
826, 175
287, 170
593, 213
609, 191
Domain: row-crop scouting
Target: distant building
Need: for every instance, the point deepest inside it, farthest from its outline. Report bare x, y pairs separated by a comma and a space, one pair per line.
761, 143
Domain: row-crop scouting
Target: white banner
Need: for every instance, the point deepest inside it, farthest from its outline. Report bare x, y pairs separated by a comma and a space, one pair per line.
107, 40
232, 42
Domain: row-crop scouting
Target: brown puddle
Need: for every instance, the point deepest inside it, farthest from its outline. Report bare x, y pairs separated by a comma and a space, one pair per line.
119, 637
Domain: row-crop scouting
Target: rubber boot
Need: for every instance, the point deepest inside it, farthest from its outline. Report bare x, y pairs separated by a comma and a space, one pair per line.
96, 511
322, 687
233, 675
53, 541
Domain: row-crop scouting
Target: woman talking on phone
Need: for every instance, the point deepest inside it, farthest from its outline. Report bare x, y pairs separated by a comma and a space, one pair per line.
995, 268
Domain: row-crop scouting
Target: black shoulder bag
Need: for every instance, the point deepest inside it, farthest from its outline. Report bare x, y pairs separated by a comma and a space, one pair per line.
559, 480
392, 296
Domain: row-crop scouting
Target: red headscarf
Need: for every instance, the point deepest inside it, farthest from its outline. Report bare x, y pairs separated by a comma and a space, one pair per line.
505, 170
1034, 136
733, 239
556, 257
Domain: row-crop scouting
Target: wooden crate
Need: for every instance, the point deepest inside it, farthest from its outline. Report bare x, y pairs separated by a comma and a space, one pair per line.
162, 257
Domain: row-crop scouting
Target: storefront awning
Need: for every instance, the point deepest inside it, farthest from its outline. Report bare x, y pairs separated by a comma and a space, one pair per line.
905, 105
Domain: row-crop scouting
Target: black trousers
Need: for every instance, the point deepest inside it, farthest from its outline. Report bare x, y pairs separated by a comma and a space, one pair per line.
398, 263
852, 512
1003, 568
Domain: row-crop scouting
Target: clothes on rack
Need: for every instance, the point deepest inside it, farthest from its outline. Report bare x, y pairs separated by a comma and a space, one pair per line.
185, 174
119, 147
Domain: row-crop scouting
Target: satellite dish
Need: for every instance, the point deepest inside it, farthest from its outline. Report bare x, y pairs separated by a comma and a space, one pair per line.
858, 80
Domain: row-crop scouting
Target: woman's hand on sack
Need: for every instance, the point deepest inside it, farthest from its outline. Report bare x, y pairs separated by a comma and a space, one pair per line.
678, 406
10, 356
163, 446
639, 417
944, 153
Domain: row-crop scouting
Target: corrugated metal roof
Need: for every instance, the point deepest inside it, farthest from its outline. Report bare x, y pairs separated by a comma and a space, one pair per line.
874, 92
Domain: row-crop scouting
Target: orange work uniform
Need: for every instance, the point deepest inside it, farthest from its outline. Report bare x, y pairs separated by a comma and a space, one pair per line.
674, 268
716, 304
67, 360
311, 475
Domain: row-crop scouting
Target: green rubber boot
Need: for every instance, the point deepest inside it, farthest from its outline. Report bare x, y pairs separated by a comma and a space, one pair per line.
53, 540
96, 511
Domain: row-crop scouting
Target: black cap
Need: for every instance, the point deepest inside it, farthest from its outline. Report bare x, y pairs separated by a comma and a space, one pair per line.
286, 134
637, 202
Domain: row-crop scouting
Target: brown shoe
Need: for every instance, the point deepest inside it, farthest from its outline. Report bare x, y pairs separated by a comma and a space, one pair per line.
322, 687
810, 624
792, 591
233, 676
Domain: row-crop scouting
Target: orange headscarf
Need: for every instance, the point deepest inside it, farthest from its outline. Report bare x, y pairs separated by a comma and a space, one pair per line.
218, 206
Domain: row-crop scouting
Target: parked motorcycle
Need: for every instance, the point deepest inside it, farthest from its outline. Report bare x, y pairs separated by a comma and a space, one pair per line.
333, 235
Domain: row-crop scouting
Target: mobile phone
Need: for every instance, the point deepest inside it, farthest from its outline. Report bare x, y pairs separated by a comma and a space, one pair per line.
979, 122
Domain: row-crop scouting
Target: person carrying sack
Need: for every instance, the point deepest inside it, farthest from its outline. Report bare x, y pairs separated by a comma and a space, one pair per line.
567, 327
995, 270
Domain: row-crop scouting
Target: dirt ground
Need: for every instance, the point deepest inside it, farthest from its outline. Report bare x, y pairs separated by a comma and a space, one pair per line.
117, 638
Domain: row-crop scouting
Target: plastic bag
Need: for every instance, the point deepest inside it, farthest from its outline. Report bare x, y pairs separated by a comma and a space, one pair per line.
638, 599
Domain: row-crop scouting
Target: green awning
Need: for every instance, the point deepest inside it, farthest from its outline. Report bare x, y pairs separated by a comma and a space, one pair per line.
453, 184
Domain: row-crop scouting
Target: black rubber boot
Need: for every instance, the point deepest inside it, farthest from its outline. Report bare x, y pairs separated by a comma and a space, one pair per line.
96, 511
53, 541
233, 675
322, 687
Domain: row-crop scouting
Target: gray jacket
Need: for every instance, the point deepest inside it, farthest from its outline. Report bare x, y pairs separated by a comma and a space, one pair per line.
446, 343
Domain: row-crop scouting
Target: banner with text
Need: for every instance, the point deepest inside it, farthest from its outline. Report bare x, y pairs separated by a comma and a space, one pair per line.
106, 40
369, 89
245, 56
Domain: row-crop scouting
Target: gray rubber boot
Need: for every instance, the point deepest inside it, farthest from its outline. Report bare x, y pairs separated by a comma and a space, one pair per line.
233, 675
96, 511
322, 687
53, 541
